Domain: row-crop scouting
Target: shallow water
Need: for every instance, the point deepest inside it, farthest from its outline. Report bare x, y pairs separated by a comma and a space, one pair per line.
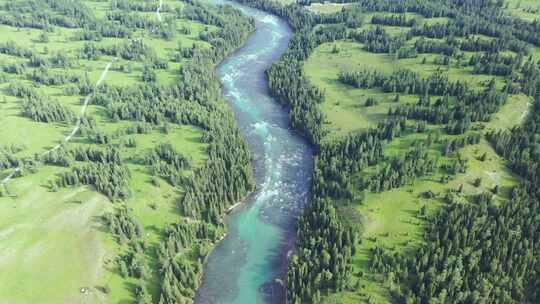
245, 265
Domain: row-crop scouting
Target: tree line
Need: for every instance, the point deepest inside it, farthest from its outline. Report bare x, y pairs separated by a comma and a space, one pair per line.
99, 160
430, 275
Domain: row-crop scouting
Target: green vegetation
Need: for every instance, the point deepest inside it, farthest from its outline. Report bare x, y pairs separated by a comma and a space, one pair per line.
414, 106
526, 9
327, 8
118, 158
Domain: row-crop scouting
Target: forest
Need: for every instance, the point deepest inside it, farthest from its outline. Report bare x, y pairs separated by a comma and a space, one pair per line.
424, 116
151, 137
473, 248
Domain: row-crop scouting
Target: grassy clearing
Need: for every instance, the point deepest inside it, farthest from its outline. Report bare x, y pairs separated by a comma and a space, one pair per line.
344, 105
512, 113
391, 219
286, 1
54, 243
525, 9
327, 8
154, 206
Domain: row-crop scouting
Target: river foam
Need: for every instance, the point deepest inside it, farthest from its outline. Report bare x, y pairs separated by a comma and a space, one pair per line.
250, 262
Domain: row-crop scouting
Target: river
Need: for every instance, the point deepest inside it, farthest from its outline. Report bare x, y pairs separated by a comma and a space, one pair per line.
244, 266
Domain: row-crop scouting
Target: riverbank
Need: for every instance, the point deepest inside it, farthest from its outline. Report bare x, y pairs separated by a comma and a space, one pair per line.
243, 267
54, 217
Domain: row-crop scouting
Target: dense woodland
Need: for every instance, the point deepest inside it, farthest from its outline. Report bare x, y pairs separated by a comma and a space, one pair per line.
474, 251
102, 159
223, 180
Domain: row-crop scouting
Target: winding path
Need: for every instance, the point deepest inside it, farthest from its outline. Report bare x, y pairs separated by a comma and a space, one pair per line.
83, 108
77, 125
158, 11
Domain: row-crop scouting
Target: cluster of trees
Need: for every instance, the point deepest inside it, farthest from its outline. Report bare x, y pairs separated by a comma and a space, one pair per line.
108, 154
123, 225
11, 48
14, 68
402, 170
338, 160
39, 107
58, 157
139, 6
105, 171
474, 252
46, 14
61, 60
290, 86
131, 49
102, 29
431, 275
141, 103
325, 249
428, 9
133, 20
404, 81
470, 106
424, 45
495, 64
457, 116
181, 277
74, 14
109, 178
8, 158
43, 109
223, 180
393, 20
44, 76
167, 162
132, 262
376, 40
459, 29
126, 22
452, 145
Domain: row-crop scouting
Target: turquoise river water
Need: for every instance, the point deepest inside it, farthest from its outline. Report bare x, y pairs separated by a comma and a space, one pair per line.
250, 262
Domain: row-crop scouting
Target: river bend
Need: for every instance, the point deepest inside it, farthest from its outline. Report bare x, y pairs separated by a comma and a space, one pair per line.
245, 266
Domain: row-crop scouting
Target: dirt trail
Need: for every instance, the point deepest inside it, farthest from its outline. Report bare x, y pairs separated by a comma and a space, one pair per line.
77, 125
83, 108
158, 11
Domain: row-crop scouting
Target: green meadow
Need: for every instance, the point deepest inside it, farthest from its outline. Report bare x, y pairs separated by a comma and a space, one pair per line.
528, 10
395, 219
53, 243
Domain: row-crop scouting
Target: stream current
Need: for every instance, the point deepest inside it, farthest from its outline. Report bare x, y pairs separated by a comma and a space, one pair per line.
248, 265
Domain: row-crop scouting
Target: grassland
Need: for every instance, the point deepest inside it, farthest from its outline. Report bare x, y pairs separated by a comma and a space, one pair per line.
327, 8
52, 244
392, 219
528, 10
344, 104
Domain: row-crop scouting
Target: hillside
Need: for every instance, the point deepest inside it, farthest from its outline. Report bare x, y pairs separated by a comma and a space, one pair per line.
119, 158
116, 149
416, 198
